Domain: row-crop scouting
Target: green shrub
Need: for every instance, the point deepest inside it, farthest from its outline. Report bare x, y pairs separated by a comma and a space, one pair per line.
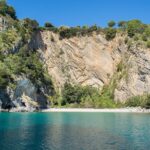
147, 32
48, 25
41, 28
66, 32
7, 10
5, 75
30, 24
71, 94
87, 97
136, 38
111, 23
134, 101
148, 44
93, 28
144, 37
8, 39
139, 101
53, 29
78, 94
110, 33
126, 40
135, 26
120, 67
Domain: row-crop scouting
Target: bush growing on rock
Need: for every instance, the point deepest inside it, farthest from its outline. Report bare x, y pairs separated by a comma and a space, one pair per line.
5, 75
147, 31
8, 39
148, 44
110, 33
93, 28
48, 25
139, 101
30, 24
66, 32
135, 26
144, 37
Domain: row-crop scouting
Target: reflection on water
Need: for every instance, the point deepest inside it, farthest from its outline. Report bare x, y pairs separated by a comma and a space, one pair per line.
74, 131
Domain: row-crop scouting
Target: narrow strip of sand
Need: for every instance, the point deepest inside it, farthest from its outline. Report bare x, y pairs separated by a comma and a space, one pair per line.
120, 110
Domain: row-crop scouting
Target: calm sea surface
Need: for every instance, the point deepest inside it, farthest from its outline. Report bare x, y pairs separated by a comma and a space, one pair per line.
74, 131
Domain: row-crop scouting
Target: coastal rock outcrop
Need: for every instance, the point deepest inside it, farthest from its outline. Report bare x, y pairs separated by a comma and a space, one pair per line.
93, 61
25, 97
137, 81
89, 60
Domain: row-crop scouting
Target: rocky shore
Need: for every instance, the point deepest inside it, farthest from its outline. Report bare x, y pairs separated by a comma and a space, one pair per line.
120, 110
111, 110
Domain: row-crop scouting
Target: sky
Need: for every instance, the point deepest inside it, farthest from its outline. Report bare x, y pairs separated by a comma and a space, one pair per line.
82, 12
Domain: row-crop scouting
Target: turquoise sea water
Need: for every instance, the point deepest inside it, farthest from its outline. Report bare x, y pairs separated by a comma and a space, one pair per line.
74, 131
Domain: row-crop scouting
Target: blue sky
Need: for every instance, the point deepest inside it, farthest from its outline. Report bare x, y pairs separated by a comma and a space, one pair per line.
82, 12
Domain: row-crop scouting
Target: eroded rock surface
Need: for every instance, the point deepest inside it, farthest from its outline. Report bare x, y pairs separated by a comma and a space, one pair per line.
25, 97
91, 60
137, 81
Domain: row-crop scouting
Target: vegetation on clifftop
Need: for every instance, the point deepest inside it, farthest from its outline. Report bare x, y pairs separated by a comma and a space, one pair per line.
7, 10
134, 29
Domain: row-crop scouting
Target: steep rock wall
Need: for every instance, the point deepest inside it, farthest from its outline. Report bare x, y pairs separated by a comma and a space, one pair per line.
137, 81
92, 60
89, 60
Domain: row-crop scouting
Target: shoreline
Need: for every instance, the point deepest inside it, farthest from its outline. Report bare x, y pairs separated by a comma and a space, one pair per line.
84, 110
109, 110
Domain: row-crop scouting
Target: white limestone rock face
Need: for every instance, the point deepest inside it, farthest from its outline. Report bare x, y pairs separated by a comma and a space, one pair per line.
25, 86
89, 60
92, 60
138, 79
25, 96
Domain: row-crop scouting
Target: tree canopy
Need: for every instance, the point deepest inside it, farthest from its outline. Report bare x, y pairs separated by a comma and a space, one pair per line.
7, 10
111, 23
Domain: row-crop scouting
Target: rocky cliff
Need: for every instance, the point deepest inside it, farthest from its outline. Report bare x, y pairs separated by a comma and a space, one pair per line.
89, 60
86, 61
92, 60
25, 97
